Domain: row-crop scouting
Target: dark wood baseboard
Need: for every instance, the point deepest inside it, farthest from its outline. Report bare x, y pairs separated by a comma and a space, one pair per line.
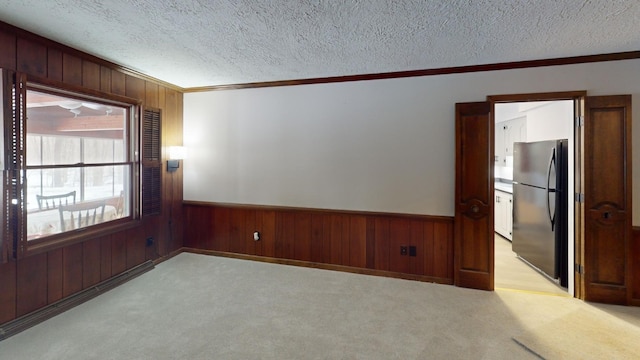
322, 266
169, 256
24, 322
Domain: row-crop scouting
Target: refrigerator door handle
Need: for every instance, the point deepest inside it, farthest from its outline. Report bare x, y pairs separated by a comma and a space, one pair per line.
552, 160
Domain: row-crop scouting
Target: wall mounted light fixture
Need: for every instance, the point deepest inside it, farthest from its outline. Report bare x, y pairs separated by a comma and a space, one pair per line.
176, 153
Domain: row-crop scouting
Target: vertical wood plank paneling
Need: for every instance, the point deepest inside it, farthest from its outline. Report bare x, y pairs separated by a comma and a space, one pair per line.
134, 87
173, 191
152, 229
31, 284
71, 69
90, 262
302, 238
118, 83
237, 233
285, 234
344, 239
8, 53
417, 240
371, 242
258, 245
72, 269
174, 108
8, 292
250, 226
31, 57
316, 237
358, 241
197, 215
210, 239
54, 275
91, 75
268, 233
450, 246
118, 254
326, 238
382, 244
167, 104
441, 249
151, 97
199, 239
399, 236
135, 246
428, 252
106, 261
105, 79
54, 64
221, 228
336, 239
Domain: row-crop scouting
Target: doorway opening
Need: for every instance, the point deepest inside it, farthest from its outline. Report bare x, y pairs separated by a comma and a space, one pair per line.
534, 215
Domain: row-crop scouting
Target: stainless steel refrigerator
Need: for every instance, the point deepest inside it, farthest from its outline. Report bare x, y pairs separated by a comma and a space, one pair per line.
540, 206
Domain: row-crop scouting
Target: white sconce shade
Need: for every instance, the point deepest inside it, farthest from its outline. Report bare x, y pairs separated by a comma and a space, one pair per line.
177, 152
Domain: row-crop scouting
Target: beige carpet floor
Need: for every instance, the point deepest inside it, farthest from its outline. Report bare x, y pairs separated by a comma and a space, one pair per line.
204, 307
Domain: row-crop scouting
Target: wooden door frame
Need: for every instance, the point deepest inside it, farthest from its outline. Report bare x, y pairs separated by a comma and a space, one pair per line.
578, 98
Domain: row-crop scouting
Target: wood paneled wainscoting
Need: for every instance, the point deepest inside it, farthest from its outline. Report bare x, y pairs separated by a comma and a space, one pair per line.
361, 242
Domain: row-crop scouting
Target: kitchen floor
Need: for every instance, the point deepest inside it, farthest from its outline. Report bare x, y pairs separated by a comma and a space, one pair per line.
513, 274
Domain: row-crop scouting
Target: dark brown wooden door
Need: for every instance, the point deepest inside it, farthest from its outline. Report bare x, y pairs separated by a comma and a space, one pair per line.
607, 198
473, 227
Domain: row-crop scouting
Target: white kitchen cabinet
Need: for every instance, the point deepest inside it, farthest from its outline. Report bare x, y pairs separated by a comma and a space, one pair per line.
507, 133
515, 131
499, 145
503, 214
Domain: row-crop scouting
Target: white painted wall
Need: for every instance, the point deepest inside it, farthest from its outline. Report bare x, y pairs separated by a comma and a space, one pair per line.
385, 145
551, 120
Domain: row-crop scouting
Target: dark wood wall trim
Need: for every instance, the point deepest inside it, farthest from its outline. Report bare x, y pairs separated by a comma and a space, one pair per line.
634, 264
429, 72
354, 241
318, 210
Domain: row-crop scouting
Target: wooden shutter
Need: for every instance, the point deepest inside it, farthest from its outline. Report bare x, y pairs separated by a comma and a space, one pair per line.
473, 224
14, 115
151, 163
6, 237
607, 198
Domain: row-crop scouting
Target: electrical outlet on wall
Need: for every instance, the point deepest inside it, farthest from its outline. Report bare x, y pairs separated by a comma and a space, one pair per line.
256, 236
403, 250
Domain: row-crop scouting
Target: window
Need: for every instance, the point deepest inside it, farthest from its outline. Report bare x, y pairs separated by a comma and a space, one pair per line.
73, 164
77, 153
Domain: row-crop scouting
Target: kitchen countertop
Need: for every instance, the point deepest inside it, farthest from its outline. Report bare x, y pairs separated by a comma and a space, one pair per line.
503, 186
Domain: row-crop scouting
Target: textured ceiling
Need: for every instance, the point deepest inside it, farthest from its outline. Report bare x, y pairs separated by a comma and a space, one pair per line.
193, 43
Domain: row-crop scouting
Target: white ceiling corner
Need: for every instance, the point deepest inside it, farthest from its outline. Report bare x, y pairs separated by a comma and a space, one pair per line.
192, 43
